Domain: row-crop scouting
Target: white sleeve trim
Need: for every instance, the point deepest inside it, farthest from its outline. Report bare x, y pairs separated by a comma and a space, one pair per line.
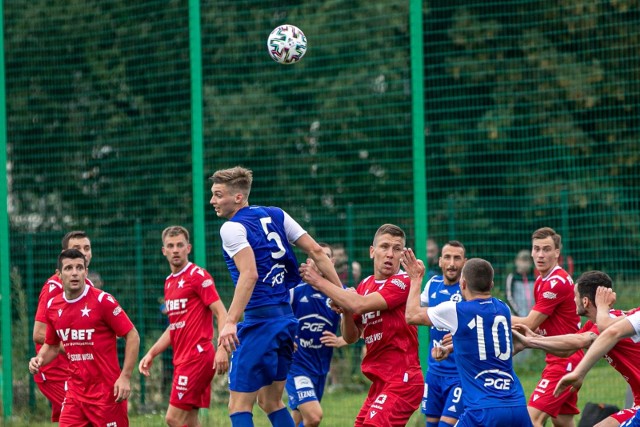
234, 237
424, 296
293, 230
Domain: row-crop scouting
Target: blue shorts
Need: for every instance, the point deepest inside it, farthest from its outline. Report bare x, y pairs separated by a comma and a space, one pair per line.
633, 422
442, 396
303, 387
511, 416
265, 351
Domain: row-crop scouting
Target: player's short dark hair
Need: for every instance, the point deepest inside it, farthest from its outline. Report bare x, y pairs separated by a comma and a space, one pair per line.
456, 244
478, 274
75, 234
237, 178
392, 230
175, 230
70, 254
589, 281
544, 232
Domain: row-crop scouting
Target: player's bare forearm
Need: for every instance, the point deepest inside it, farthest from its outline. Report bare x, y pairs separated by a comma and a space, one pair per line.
46, 354
161, 344
131, 351
533, 320
562, 345
605, 342
220, 312
241, 297
350, 331
316, 253
414, 313
605, 298
39, 332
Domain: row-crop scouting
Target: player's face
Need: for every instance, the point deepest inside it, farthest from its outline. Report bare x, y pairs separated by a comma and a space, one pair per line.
176, 249
73, 275
451, 262
580, 308
545, 254
386, 252
224, 202
83, 245
432, 252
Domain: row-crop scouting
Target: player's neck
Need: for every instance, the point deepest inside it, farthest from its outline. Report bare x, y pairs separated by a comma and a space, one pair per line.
236, 210
72, 294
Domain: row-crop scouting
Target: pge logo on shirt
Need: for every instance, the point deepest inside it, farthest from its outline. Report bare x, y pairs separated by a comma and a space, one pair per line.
495, 379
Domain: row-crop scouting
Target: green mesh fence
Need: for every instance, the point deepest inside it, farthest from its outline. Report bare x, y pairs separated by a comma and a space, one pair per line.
530, 120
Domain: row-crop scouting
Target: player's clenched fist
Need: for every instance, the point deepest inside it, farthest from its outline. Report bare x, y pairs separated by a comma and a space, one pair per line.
34, 364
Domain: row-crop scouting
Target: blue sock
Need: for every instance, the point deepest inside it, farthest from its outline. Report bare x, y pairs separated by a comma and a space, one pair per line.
281, 418
241, 419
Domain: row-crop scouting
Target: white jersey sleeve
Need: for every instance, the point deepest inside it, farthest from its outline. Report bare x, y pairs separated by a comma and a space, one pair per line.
634, 319
293, 230
444, 316
234, 237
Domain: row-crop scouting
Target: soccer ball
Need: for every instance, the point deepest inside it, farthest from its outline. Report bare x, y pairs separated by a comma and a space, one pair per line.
287, 44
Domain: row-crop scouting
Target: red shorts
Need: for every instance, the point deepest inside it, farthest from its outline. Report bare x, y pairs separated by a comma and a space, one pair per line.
390, 404
76, 413
625, 414
54, 391
542, 397
191, 388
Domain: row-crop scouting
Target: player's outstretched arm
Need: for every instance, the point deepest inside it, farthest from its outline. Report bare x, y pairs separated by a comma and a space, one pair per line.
415, 269
316, 253
122, 387
562, 345
158, 347
246, 264
605, 342
348, 300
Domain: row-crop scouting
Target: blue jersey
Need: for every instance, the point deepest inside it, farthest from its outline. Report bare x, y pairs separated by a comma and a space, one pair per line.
482, 340
314, 314
437, 292
275, 260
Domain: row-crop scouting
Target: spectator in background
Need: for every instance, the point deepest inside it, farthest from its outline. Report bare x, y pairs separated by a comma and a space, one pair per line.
519, 284
433, 251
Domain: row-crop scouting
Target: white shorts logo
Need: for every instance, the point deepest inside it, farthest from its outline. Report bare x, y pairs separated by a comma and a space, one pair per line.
302, 382
182, 380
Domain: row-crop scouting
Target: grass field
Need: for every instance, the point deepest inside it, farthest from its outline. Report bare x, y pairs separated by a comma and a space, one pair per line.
603, 384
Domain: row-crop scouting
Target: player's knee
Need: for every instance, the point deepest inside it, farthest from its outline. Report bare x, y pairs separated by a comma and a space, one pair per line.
173, 421
312, 419
269, 405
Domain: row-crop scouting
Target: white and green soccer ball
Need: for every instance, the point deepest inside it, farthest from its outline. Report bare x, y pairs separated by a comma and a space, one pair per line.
287, 44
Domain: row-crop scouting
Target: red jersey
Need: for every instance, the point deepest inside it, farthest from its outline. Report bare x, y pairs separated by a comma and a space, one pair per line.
56, 370
392, 344
624, 356
554, 297
87, 328
187, 296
